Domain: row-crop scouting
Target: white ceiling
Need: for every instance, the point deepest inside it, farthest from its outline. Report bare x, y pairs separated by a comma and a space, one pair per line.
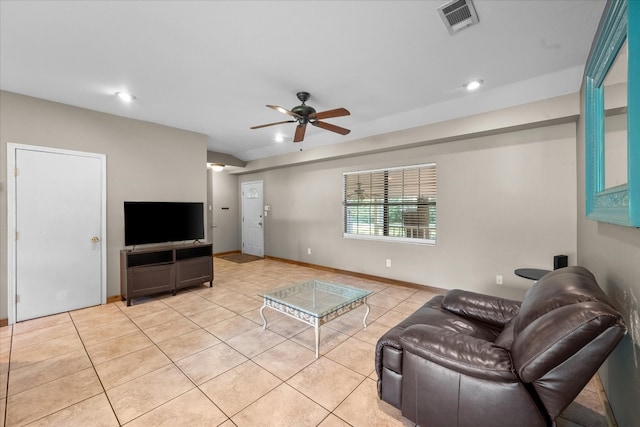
211, 66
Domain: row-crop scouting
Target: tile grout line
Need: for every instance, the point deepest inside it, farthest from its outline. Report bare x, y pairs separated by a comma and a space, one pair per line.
174, 363
93, 366
88, 357
6, 399
365, 377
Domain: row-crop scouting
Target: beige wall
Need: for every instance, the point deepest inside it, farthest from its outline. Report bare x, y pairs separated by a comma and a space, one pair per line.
145, 161
224, 216
612, 253
504, 201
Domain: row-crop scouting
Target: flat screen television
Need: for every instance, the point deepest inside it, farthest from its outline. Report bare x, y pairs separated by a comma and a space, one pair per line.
159, 222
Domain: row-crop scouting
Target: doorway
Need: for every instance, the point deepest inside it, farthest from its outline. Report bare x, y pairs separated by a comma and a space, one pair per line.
57, 221
252, 219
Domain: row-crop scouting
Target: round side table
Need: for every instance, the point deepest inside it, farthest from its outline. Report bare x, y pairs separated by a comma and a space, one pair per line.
531, 273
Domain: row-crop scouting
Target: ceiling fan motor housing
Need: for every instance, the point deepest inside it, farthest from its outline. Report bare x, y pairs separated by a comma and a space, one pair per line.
303, 111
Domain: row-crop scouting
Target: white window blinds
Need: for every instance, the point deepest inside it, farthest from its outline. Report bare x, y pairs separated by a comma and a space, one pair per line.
391, 204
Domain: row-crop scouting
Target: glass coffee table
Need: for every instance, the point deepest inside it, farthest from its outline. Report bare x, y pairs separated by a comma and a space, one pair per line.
315, 303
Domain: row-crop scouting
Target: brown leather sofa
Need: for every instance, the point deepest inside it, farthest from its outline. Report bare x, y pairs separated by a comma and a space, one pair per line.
467, 359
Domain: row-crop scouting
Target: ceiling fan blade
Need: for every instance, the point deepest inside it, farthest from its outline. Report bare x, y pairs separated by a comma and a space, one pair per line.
299, 136
332, 128
284, 111
337, 112
272, 124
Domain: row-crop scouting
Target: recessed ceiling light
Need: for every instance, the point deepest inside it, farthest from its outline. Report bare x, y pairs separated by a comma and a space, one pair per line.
126, 96
279, 138
473, 85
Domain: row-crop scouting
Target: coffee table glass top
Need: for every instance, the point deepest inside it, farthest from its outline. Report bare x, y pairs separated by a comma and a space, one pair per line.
315, 297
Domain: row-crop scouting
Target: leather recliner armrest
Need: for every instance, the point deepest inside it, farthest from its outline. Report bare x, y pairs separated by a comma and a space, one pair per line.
462, 353
487, 309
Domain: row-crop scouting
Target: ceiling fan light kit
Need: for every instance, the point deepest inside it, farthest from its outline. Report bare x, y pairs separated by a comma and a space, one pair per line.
126, 96
305, 114
473, 85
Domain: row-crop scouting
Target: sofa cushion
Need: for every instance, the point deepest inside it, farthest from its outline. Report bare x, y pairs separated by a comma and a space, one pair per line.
559, 316
556, 336
569, 285
468, 355
488, 309
431, 313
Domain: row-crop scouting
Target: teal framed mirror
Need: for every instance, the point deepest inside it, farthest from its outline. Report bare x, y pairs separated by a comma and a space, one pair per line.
612, 117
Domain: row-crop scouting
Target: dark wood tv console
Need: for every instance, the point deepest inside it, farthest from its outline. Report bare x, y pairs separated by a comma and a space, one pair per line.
161, 269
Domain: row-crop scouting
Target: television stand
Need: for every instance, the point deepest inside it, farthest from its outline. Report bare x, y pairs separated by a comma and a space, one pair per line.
162, 269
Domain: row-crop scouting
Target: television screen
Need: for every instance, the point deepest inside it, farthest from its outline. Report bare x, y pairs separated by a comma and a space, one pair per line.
158, 222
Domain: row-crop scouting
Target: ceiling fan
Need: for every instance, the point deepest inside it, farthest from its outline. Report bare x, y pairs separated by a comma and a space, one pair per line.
304, 114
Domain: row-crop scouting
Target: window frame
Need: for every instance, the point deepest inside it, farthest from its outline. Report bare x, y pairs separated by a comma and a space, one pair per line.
384, 206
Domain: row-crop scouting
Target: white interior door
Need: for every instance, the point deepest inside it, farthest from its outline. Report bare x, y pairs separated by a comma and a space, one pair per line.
252, 220
59, 224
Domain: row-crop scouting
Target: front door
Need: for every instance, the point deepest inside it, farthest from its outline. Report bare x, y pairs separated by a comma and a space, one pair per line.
58, 216
252, 220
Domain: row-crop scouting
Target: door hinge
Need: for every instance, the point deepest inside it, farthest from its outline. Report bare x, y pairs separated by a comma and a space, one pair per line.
16, 235
17, 298
15, 171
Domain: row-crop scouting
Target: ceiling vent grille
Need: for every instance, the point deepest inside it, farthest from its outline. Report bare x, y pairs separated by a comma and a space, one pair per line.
458, 15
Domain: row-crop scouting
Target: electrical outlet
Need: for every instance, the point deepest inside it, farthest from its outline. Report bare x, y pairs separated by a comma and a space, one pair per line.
498, 280
308, 251
388, 262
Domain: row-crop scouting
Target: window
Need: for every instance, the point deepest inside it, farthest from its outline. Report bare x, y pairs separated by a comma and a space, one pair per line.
396, 204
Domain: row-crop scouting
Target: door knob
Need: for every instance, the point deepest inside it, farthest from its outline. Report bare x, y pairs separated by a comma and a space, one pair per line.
95, 239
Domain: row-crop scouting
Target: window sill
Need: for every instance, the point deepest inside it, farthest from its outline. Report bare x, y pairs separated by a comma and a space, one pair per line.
413, 241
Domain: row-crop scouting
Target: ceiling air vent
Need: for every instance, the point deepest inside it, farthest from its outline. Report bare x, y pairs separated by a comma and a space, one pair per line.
458, 15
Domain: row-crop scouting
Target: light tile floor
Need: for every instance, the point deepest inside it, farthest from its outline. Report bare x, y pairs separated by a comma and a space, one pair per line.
202, 358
